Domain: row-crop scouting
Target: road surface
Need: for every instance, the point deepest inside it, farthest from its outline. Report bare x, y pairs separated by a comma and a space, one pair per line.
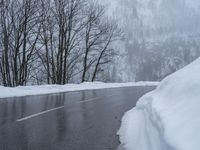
85, 120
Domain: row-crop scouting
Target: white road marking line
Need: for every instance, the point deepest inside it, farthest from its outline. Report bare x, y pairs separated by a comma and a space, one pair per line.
38, 114
88, 100
50, 110
93, 99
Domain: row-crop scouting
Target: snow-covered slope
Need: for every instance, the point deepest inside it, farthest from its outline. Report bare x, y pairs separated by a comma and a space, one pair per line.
167, 118
48, 89
162, 36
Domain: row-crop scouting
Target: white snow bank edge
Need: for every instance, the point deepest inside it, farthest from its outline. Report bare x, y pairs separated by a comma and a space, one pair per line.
6, 92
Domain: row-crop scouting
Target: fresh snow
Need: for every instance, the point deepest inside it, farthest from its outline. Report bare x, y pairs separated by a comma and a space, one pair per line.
48, 89
167, 118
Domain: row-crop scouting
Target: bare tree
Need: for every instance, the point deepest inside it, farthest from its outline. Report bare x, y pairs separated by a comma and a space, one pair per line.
19, 25
53, 41
62, 52
92, 36
106, 52
100, 33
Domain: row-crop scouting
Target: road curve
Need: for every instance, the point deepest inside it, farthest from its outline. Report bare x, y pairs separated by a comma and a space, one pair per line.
85, 120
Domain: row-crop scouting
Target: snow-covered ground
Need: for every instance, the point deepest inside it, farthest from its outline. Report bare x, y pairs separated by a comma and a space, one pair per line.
47, 89
167, 118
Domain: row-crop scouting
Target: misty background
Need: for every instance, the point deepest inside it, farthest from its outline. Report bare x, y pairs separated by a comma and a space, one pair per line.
161, 36
74, 41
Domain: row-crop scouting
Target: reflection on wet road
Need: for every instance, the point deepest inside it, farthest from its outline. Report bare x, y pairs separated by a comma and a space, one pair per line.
86, 120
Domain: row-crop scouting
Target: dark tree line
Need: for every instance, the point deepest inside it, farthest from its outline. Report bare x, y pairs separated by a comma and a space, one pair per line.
54, 41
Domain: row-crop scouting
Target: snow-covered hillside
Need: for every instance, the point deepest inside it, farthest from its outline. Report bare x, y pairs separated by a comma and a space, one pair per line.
167, 118
171, 15
162, 36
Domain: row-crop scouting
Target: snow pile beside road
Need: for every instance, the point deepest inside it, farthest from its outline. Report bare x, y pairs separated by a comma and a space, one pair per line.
47, 89
167, 118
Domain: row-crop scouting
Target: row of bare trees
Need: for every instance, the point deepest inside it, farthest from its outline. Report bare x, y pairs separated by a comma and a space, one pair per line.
54, 41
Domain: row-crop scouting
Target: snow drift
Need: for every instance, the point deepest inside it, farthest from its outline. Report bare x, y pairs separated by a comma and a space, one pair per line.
167, 118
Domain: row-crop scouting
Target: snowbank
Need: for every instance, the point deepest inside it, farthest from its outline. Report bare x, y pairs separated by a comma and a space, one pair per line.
47, 89
167, 118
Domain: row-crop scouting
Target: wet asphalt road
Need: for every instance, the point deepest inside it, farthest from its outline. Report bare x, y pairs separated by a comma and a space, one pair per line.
86, 120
